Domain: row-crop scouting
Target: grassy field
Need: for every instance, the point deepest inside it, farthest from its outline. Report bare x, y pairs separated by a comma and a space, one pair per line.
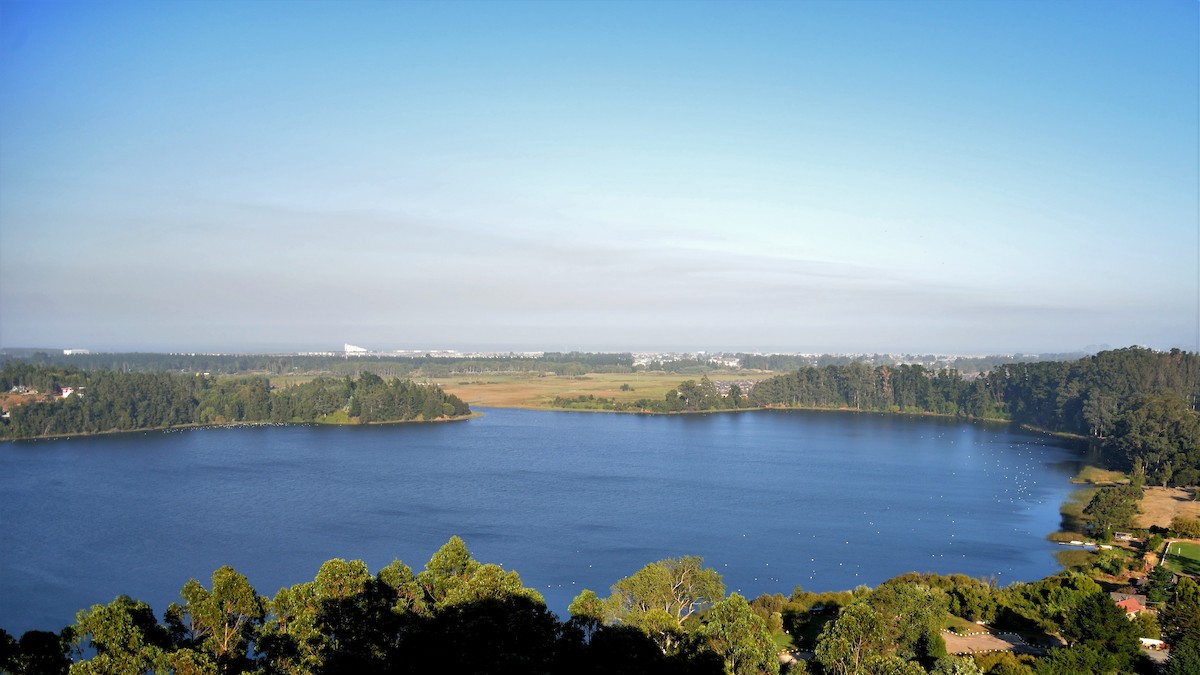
533, 391
1159, 505
1098, 476
1184, 557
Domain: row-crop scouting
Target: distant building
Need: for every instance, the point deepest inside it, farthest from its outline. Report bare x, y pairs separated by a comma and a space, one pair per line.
351, 350
72, 352
66, 392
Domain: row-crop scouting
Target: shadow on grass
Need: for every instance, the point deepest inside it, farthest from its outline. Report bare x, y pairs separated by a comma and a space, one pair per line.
1186, 561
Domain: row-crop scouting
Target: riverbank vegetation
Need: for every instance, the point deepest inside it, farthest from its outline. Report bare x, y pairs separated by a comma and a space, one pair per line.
70, 401
459, 615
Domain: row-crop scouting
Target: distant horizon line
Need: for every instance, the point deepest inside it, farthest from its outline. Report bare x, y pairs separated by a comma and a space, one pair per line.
449, 351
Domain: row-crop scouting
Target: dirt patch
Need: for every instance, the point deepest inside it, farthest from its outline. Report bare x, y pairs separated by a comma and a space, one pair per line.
1159, 505
10, 400
988, 642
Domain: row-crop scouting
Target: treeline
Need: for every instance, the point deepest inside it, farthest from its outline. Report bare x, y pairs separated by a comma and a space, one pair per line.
559, 363
968, 365
107, 400
1138, 403
672, 616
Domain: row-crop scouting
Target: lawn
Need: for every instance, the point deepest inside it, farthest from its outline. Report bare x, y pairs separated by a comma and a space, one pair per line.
1184, 557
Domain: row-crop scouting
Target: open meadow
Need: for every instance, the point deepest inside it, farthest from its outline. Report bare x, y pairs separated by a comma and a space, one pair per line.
527, 390
1159, 505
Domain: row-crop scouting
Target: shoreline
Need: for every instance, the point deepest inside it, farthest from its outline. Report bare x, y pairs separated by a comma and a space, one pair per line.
905, 413
234, 425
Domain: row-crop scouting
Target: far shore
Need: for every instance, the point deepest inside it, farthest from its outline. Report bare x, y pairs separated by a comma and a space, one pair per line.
232, 425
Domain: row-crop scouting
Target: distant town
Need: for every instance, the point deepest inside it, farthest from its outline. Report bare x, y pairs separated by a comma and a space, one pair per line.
730, 360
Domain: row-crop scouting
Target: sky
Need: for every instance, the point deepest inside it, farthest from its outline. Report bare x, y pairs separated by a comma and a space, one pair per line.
863, 176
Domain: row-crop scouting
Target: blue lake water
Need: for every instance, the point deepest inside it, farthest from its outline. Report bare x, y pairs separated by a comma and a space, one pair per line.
771, 499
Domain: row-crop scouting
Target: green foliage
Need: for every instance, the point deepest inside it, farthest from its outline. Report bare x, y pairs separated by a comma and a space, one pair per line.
656, 599
1004, 663
1145, 625
1180, 619
1097, 620
669, 617
216, 625
1162, 433
117, 401
1187, 528
38, 652
1112, 508
1158, 583
740, 637
1185, 656
956, 665
126, 638
1081, 660
1043, 605
847, 642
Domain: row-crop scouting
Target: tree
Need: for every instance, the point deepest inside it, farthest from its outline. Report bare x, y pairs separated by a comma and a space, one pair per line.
956, 665
656, 599
1163, 432
489, 582
1185, 527
513, 634
1158, 582
1181, 617
125, 636
588, 609
403, 589
847, 642
912, 614
290, 641
1112, 508
659, 597
1097, 621
220, 621
1185, 657
740, 637
38, 652
449, 567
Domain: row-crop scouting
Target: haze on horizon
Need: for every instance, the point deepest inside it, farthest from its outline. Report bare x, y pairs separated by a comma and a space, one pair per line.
826, 177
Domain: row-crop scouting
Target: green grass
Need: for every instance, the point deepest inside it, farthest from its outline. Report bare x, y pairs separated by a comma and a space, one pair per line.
1184, 557
1097, 476
783, 641
960, 625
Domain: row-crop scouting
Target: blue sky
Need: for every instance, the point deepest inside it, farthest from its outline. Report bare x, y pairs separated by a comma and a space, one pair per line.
977, 177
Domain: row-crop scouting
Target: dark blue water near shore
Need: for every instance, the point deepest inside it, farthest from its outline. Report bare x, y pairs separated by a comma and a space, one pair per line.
570, 500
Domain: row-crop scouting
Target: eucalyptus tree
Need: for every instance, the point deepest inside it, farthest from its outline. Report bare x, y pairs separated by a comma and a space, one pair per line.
656, 599
740, 637
125, 636
219, 622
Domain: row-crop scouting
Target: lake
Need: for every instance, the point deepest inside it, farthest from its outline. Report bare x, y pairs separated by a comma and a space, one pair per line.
770, 499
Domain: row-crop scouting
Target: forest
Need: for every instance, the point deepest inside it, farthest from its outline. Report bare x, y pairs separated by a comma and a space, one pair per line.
107, 400
458, 615
559, 363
